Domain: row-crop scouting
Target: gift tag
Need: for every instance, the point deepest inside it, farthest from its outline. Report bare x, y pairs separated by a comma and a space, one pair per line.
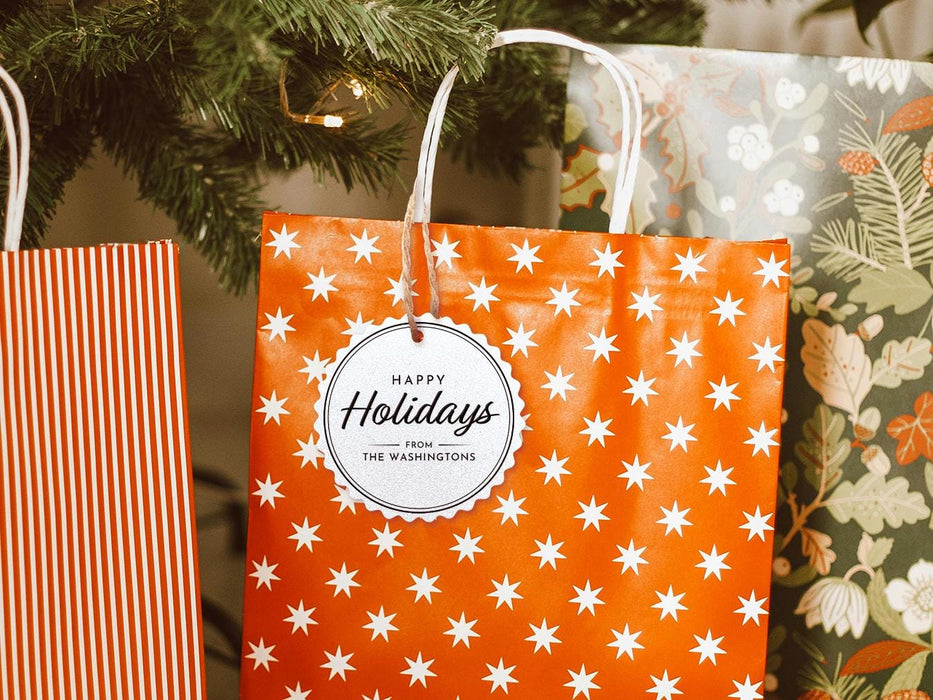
419, 430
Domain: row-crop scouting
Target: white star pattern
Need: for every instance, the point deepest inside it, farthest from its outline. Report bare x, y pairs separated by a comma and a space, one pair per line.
461, 630
505, 592
261, 654
525, 257
553, 468
320, 285
375, 696
345, 501
273, 408
679, 434
761, 440
278, 325
665, 687
423, 586
315, 367
482, 295
669, 603
746, 690
563, 300
300, 617
771, 271
386, 541
587, 598
684, 350
713, 563
343, 581
630, 557
636, 473
510, 508
466, 546
597, 429
419, 670
500, 677
756, 524
358, 326
548, 552
296, 693
283, 242
766, 354
727, 309
751, 608
268, 491
338, 664
707, 647
718, 478
607, 261
558, 383
264, 573
396, 290
640, 388
601, 345
625, 642
689, 265
543, 636
591, 514
380, 624
722, 393
582, 683
308, 451
674, 519
520, 340
305, 536
645, 305
364, 247
445, 252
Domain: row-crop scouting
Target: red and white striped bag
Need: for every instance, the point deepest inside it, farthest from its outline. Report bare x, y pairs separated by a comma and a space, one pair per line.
98, 558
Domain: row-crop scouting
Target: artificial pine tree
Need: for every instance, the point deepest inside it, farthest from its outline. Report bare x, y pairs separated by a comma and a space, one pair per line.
185, 94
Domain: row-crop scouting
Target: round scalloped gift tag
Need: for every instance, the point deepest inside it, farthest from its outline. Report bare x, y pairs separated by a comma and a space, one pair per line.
419, 430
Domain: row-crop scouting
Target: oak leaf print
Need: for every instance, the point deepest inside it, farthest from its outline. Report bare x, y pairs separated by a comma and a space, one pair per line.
914, 433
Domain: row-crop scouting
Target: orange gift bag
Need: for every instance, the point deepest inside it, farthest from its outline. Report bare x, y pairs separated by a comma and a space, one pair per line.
559, 482
98, 556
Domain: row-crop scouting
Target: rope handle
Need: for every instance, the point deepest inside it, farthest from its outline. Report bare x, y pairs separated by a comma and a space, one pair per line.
18, 148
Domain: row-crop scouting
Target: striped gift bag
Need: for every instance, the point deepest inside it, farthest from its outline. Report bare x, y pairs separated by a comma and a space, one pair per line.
98, 559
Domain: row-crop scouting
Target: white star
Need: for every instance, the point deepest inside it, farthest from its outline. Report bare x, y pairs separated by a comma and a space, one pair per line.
771, 271
300, 617
761, 440
665, 687
357, 327
767, 354
297, 693
423, 586
321, 285
636, 473
380, 624
679, 434
669, 603
718, 478
727, 309
520, 340
264, 574
268, 491
722, 393
338, 664
689, 265
261, 654
482, 294
420, 670
630, 557
750, 608
375, 696
305, 536
674, 519
602, 346
558, 383
582, 682
445, 252
466, 546
510, 508
364, 246
548, 552
543, 636
587, 598
597, 429
273, 408
713, 563
746, 690
644, 304
625, 642
308, 451
283, 242
343, 580
345, 500
386, 541
524, 257
640, 388
756, 524
684, 350
505, 592
553, 468
396, 290
563, 300
707, 647
500, 677
278, 325
591, 514
461, 630
607, 261
315, 367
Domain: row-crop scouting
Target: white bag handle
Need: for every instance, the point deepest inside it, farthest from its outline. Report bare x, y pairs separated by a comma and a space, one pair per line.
631, 134
18, 146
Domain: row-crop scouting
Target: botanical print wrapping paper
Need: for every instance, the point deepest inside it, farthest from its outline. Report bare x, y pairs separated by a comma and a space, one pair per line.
837, 155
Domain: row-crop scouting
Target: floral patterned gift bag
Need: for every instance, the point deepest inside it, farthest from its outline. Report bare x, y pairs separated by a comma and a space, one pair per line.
837, 153
557, 483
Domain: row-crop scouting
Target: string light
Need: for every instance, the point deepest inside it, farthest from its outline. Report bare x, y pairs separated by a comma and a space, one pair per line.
328, 121
356, 87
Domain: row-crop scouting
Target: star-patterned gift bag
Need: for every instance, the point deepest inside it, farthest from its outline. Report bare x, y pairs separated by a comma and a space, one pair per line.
98, 556
621, 548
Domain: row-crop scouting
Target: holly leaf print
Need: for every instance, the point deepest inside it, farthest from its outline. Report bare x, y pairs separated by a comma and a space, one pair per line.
914, 433
579, 182
835, 365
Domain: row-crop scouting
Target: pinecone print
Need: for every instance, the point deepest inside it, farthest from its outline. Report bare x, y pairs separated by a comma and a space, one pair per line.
907, 694
857, 162
927, 168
